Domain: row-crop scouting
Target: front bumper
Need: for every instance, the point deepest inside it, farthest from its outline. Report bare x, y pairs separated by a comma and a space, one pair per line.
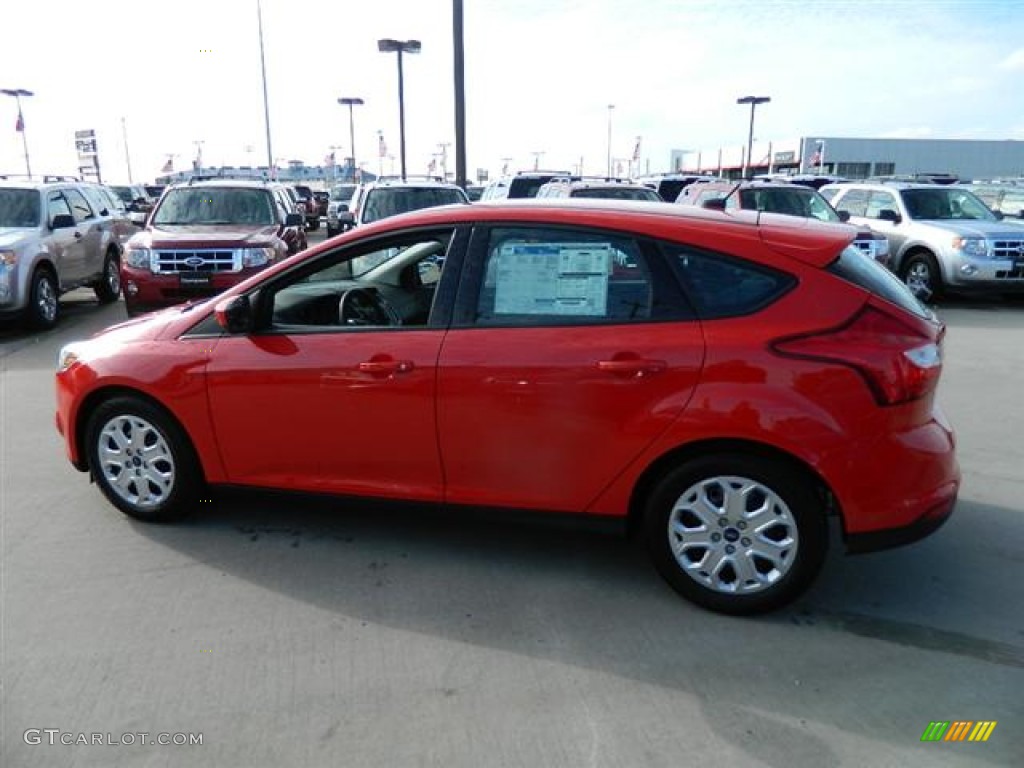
144, 290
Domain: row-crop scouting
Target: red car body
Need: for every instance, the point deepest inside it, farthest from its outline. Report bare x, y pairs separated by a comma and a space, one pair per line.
828, 379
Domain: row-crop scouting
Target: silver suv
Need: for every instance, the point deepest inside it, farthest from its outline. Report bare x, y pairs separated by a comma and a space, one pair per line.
56, 236
940, 237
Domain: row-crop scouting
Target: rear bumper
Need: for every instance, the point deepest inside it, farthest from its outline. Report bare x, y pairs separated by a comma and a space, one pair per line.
929, 522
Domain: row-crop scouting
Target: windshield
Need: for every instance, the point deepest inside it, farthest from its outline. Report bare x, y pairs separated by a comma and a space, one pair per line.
215, 205
798, 201
19, 208
124, 194
388, 201
618, 193
342, 193
943, 203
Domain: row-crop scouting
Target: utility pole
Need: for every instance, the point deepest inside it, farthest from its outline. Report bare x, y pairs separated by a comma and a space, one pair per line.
127, 155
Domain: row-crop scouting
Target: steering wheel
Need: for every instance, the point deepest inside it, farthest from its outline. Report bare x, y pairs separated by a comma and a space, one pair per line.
360, 306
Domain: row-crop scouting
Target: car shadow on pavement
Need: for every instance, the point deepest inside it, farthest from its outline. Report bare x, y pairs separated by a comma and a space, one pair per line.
578, 597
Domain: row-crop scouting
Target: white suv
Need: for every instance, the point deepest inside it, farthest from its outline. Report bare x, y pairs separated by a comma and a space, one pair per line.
56, 236
380, 199
940, 237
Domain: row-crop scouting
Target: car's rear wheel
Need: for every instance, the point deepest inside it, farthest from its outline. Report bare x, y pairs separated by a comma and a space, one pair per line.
922, 276
142, 460
737, 534
312, 224
331, 232
43, 301
109, 286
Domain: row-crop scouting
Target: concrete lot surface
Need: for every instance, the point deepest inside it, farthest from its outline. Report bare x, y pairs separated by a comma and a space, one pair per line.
326, 634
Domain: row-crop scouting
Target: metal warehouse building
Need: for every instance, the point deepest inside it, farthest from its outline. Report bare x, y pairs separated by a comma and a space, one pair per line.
860, 158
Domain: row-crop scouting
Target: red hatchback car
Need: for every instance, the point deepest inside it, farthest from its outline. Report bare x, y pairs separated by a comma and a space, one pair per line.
722, 382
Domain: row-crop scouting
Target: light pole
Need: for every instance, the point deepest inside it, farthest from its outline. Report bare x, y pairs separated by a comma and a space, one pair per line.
753, 101
387, 45
351, 102
266, 102
611, 108
17, 93
127, 154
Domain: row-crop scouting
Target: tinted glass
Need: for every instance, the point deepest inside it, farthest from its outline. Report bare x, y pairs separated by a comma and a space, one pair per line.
614, 193
853, 201
215, 205
526, 187
853, 266
79, 207
19, 208
724, 286
386, 201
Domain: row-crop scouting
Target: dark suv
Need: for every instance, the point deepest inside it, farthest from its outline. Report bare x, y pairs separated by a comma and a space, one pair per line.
785, 198
202, 238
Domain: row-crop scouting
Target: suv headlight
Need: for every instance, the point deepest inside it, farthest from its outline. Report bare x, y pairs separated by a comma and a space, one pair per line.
140, 258
976, 247
8, 258
256, 257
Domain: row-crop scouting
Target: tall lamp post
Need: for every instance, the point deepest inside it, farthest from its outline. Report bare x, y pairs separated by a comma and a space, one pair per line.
266, 101
611, 108
387, 45
350, 103
17, 93
753, 101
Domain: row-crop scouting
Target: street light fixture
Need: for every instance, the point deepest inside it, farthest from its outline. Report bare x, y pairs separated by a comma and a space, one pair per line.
351, 102
17, 93
387, 45
753, 101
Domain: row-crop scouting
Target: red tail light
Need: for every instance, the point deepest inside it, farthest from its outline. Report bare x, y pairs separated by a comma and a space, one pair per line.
898, 363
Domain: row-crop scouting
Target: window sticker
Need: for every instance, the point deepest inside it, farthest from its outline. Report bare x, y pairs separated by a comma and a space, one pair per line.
552, 279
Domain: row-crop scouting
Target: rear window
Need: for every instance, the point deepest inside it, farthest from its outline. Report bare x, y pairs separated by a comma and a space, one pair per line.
614, 193
385, 202
527, 187
861, 270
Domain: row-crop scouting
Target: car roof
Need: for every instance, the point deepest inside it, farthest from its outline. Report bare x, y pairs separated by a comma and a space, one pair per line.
241, 183
818, 241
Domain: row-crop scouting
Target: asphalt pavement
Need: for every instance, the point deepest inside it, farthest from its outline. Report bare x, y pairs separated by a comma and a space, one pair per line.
330, 634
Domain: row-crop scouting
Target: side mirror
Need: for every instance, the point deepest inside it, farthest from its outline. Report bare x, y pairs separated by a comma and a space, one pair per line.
844, 216
888, 214
714, 204
234, 315
346, 217
342, 207
999, 215
294, 220
62, 221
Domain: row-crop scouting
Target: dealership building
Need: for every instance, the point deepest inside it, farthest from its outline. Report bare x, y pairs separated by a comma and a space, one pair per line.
860, 158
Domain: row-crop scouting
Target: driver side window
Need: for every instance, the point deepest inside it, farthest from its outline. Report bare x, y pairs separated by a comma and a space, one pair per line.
384, 284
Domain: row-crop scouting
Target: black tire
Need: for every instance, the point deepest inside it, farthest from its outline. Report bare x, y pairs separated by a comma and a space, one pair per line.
922, 276
313, 224
791, 506
108, 287
332, 232
43, 309
153, 443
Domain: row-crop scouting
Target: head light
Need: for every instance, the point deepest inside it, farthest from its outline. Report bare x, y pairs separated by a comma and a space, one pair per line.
971, 246
8, 258
69, 355
140, 258
256, 257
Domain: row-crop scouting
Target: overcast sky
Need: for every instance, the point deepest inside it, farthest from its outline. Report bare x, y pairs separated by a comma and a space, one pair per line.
540, 76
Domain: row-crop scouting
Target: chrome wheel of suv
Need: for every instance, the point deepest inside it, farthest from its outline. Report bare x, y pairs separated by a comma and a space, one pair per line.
737, 534
109, 286
43, 304
921, 275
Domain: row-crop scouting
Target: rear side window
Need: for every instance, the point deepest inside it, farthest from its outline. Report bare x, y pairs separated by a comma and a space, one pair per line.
854, 267
724, 286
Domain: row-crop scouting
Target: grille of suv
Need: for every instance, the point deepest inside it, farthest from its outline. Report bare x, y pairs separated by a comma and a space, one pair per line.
1008, 249
170, 262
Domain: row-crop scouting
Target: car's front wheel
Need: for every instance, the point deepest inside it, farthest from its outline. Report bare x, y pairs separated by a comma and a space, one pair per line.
736, 534
43, 300
109, 286
142, 460
922, 276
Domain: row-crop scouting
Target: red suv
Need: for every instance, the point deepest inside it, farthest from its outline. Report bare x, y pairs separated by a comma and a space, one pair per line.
202, 238
723, 383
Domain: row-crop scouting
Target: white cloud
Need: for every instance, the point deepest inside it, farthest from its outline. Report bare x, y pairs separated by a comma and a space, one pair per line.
1013, 62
